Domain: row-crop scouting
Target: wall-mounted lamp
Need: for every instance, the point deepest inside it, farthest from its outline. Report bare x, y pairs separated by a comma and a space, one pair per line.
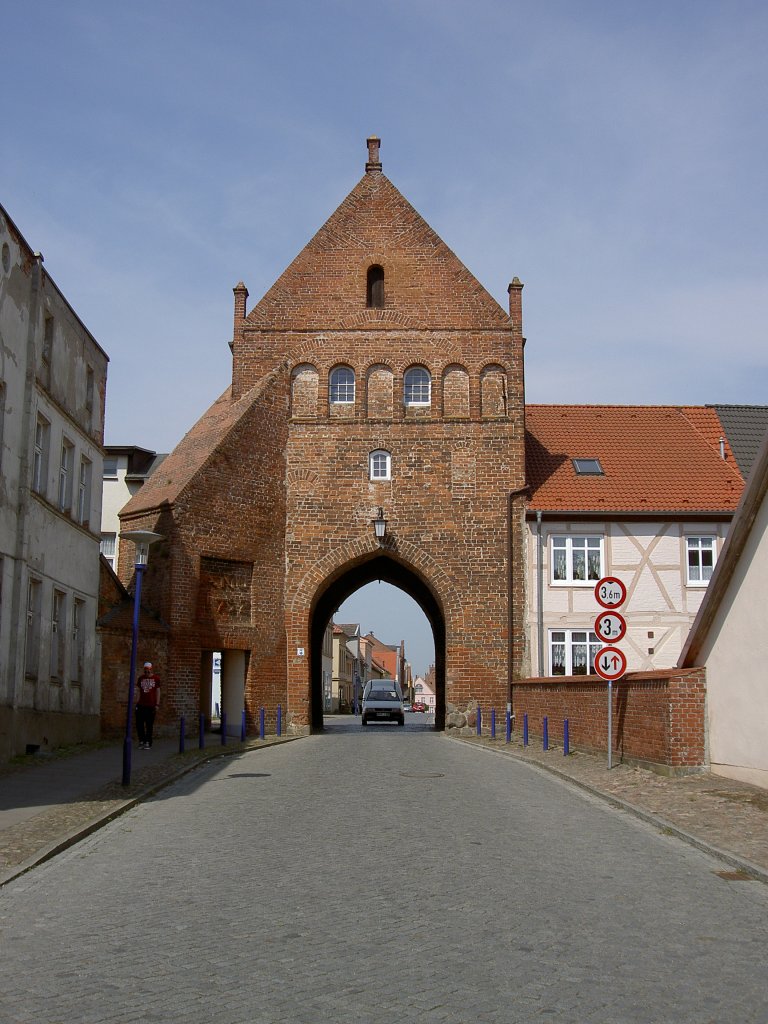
379, 525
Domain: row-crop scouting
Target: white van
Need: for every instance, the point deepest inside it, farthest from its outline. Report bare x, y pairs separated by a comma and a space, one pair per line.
383, 702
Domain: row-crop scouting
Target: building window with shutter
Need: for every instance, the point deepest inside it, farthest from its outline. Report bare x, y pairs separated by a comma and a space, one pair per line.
375, 287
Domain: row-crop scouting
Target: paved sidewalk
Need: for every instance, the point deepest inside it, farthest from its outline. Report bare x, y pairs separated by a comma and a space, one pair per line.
48, 804
723, 817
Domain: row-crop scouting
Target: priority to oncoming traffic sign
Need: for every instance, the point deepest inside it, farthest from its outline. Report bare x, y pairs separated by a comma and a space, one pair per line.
610, 663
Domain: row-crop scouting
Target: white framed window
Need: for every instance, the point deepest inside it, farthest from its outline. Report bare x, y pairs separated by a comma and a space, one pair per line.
2, 418
58, 635
78, 640
380, 465
32, 643
40, 463
84, 492
417, 386
577, 560
342, 386
110, 467
572, 652
700, 560
66, 469
108, 547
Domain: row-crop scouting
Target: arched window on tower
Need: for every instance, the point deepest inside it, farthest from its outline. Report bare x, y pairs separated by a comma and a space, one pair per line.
342, 386
417, 386
375, 289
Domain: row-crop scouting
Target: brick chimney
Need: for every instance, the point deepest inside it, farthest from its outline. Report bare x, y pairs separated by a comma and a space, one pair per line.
241, 296
374, 164
515, 290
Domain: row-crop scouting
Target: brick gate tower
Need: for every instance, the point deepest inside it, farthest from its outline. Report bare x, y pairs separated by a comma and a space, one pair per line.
376, 379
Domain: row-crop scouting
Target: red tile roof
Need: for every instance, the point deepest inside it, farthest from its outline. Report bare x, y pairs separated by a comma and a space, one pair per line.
654, 458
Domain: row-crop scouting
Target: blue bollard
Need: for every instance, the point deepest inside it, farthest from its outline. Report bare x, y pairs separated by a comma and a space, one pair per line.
261, 723
201, 732
223, 728
566, 744
493, 723
509, 727
525, 729
242, 727
479, 721
279, 720
545, 724
181, 735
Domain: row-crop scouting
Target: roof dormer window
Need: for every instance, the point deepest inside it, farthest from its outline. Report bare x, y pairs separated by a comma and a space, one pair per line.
588, 467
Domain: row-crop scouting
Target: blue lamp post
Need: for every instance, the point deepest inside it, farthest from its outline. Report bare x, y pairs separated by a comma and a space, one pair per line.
142, 539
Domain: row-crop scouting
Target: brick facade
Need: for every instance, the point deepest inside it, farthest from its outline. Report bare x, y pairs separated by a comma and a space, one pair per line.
266, 505
658, 717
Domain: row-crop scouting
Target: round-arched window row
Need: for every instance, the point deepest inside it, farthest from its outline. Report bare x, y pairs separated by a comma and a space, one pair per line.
417, 386
342, 386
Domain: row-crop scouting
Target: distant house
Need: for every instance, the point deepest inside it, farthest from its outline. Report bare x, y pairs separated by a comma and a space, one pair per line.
644, 493
422, 691
52, 393
729, 637
126, 469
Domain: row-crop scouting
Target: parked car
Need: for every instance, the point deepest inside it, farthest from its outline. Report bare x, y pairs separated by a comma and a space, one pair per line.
382, 702
407, 705
418, 705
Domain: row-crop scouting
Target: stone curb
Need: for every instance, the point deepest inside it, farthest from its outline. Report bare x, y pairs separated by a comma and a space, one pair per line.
74, 836
753, 870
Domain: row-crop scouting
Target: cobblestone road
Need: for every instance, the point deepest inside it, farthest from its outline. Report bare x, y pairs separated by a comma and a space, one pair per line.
382, 876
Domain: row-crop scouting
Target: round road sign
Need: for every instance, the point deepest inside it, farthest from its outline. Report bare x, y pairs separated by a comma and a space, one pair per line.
610, 627
610, 663
610, 592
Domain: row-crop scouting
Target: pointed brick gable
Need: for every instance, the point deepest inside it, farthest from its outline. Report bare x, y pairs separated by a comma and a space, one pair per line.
425, 282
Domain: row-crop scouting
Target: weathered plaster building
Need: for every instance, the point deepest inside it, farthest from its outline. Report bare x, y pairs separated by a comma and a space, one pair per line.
376, 374
52, 385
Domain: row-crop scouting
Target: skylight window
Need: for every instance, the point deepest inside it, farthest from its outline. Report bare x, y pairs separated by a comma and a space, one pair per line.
588, 467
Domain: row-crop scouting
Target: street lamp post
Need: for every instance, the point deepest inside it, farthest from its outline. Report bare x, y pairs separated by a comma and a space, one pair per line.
142, 539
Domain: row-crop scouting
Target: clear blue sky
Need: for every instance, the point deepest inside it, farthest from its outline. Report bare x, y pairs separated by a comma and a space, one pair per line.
611, 154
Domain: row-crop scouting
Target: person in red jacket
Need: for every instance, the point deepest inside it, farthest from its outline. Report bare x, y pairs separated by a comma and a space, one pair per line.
148, 686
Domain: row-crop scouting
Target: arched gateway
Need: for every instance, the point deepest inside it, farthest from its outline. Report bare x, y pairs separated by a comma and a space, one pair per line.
376, 374
380, 566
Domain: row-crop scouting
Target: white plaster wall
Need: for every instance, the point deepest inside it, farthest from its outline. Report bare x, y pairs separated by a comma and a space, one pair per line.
736, 657
36, 538
650, 559
14, 293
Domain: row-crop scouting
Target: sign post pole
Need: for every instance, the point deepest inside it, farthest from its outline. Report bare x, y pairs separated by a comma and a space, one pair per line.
610, 724
610, 627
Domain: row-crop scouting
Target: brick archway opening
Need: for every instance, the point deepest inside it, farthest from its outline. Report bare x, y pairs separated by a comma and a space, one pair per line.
388, 570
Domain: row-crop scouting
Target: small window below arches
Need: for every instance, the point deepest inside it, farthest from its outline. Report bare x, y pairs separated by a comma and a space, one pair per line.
375, 288
380, 465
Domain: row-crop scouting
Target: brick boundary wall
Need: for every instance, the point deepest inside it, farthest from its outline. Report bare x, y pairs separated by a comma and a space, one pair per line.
658, 717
